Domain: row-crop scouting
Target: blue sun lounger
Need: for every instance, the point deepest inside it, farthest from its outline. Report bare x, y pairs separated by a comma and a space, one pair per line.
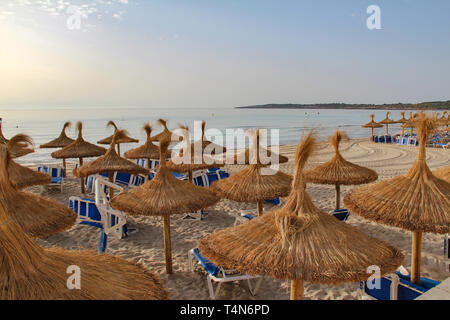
341, 214
57, 174
220, 275
99, 214
398, 286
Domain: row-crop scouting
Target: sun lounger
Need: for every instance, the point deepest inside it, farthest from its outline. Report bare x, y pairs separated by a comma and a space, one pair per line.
220, 275
341, 214
57, 173
398, 286
99, 214
376, 139
275, 201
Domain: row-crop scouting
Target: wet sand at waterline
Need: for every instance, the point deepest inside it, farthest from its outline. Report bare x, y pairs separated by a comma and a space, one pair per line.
146, 245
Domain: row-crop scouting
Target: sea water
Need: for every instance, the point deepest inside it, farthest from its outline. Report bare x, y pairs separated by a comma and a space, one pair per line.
44, 125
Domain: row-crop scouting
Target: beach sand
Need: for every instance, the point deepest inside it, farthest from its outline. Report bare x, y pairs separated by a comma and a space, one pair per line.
146, 245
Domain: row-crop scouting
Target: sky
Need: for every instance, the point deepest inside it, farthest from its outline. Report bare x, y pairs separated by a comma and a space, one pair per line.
221, 53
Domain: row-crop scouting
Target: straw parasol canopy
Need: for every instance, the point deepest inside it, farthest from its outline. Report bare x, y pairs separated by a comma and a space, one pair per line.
110, 162
30, 272
39, 217
164, 195
124, 138
387, 121
299, 242
402, 121
23, 177
247, 156
148, 150
205, 145
60, 142
339, 171
79, 149
20, 145
166, 134
411, 122
193, 160
3, 140
372, 125
417, 201
255, 183
443, 173
444, 120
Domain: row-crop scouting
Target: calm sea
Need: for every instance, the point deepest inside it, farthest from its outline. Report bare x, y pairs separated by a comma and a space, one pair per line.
45, 125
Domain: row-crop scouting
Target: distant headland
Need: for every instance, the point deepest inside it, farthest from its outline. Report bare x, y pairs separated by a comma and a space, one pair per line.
434, 105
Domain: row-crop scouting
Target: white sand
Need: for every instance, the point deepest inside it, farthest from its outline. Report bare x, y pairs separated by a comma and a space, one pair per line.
146, 246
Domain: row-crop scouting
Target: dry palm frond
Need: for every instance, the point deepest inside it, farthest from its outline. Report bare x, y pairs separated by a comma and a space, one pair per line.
29, 272
417, 201
39, 217
148, 150
60, 142
79, 148
110, 161
338, 170
443, 173
124, 138
300, 242
20, 145
164, 194
372, 123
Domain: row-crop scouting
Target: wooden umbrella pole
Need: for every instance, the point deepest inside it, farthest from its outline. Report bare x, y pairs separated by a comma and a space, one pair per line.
167, 244
387, 131
111, 179
260, 207
190, 175
148, 163
296, 289
81, 178
65, 169
338, 196
118, 149
416, 256
372, 135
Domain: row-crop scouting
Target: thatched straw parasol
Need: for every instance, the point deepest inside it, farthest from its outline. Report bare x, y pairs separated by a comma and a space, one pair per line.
443, 173
300, 243
339, 171
387, 121
164, 195
60, 142
196, 160
247, 156
148, 150
205, 145
79, 149
29, 272
20, 145
166, 134
402, 121
372, 125
411, 122
23, 177
3, 140
124, 138
443, 121
253, 185
110, 162
417, 201
38, 217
